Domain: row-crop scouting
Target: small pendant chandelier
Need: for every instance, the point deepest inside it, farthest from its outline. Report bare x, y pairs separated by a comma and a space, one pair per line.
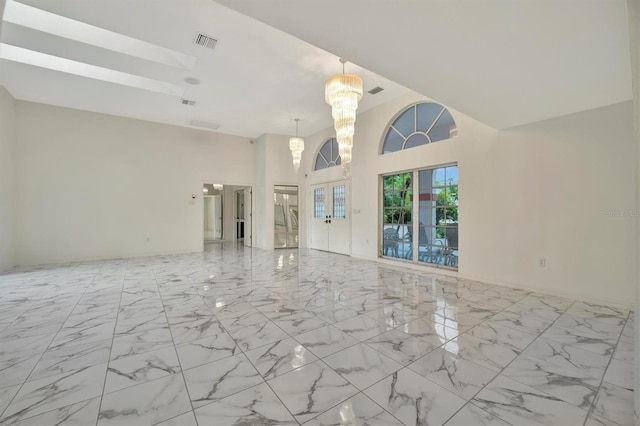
343, 92
296, 145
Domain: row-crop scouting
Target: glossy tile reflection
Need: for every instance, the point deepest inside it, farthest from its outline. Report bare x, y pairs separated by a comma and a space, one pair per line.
241, 336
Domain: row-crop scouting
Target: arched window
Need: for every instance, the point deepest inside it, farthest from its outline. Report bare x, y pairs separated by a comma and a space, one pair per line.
420, 124
329, 155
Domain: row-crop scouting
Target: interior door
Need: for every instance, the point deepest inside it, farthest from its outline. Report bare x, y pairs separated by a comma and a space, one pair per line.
217, 216
331, 218
209, 219
340, 222
248, 217
239, 214
285, 215
320, 218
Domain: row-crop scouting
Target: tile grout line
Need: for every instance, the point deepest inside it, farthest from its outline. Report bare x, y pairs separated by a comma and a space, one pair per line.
468, 401
104, 383
415, 360
403, 366
326, 287
43, 352
604, 373
518, 355
175, 350
249, 360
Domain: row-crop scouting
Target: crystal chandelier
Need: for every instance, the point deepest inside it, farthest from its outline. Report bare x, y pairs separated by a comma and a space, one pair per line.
296, 145
343, 92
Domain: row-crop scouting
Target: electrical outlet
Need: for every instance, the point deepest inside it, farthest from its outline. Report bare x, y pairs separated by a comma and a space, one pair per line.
542, 262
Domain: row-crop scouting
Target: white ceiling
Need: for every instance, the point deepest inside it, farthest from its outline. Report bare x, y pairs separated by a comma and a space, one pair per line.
503, 62
256, 80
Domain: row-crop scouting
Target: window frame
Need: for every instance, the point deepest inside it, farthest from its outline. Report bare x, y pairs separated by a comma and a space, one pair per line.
413, 254
335, 159
391, 127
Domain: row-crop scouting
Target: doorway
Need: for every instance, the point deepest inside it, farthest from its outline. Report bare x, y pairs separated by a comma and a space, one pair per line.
285, 216
240, 214
331, 217
213, 212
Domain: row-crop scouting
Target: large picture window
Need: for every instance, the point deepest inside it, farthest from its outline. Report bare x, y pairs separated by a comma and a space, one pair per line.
397, 195
431, 215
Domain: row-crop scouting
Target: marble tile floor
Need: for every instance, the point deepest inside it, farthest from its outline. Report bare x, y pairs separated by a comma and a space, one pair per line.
245, 336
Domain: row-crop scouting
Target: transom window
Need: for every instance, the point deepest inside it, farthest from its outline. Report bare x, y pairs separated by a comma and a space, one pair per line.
329, 155
417, 125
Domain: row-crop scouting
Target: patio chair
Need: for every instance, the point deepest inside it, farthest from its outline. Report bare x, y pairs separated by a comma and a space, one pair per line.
424, 251
390, 240
451, 258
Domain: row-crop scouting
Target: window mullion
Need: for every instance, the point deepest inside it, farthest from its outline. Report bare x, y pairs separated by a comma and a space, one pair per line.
415, 215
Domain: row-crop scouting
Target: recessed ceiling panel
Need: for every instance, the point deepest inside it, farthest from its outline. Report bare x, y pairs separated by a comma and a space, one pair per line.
51, 23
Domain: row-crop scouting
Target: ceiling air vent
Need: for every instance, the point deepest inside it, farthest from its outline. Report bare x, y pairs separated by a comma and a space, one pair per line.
375, 90
188, 102
205, 41
204, 124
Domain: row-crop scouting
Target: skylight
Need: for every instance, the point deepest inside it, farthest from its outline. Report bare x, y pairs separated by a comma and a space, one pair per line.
56, 63
51, 23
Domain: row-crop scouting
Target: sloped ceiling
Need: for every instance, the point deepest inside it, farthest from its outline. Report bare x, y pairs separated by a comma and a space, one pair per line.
503, 62
255, 81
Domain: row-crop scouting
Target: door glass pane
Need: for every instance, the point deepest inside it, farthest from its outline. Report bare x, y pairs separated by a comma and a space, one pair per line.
279, 219
436, 241
438, 177
285, 216
397, 228
339, 202
438, 212
318, 203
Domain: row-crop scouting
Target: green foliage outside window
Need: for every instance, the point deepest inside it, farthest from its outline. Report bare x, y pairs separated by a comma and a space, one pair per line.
397, 190
447, 214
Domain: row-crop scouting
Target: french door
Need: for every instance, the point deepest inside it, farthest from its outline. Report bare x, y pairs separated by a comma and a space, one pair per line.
331, 217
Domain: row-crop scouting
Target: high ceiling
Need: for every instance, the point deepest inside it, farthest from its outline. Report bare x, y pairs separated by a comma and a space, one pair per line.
503, 62
256, 80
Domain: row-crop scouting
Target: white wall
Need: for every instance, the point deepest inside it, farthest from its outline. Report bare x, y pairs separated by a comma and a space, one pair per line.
93, 186
540, 190
557, 181
275, 167
7, 108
